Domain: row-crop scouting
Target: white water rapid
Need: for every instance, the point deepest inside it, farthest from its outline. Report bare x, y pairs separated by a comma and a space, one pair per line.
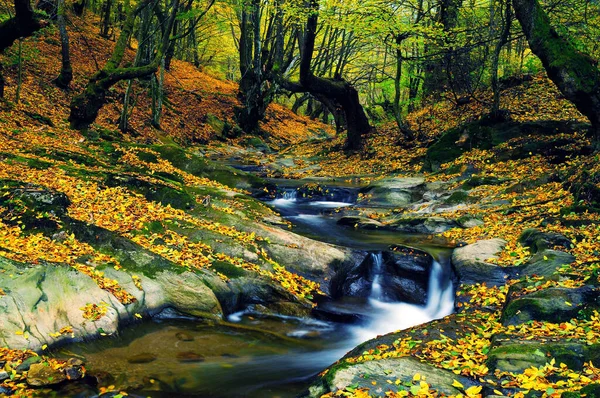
390, 317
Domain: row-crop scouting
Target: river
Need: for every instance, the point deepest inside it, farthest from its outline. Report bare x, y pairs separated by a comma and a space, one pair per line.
264, 356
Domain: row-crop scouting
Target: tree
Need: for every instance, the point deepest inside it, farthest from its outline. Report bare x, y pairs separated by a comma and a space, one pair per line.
335, 90
261, 58
66, 72
574, 73
85, 106
505, 11
23, 24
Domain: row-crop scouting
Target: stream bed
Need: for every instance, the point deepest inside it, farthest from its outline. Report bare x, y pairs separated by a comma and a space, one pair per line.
253, 355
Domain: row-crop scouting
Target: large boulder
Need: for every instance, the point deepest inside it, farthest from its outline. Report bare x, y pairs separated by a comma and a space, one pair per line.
47, 298
470, 265
554, 305
545, 263
422, 225
538, 241
374, 375
513, 355
393, 192
403, 276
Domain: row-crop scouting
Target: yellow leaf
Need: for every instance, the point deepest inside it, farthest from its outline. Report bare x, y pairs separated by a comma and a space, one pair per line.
569, 304
457, 384
138, 315
44, 346
417, 377
473, 391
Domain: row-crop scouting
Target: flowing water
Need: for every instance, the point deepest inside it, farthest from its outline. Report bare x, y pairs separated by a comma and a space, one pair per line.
264, 356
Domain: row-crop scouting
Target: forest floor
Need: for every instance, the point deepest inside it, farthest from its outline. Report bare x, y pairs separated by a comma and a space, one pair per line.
520, 186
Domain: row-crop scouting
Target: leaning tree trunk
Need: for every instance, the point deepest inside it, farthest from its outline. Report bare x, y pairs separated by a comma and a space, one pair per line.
337, 90
85, 106
23, 24
66, 72
574, 73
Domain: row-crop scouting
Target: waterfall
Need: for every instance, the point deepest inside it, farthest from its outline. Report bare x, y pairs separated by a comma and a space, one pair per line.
376, 289
290, 194
389, 317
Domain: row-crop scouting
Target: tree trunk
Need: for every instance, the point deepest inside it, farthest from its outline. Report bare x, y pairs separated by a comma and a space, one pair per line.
575, 74
336, 90
66, 72
408, 134
254, 89
507, 18
23, 24
85, 106
106, 19
2, 82
79, 7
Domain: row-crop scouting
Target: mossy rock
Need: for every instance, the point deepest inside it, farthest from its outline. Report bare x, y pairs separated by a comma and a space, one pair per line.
374, 375
310, 190
545, 263
554, 305
516, 356
486, 134
477, 181
458, 197
591, 390
455, 142
131, 255
257, 143
201, 167
163, 194
538, 241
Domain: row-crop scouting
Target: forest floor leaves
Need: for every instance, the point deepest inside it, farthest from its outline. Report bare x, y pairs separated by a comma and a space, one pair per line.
43, 156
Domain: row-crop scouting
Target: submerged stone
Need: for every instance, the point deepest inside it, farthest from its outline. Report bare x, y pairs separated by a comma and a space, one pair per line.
189, 356
144, 357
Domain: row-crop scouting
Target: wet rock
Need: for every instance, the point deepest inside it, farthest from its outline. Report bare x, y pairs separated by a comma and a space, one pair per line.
469, 222
517, 355
183, 336
42, 374
422, 225
359, 222
404, 276
538, 241
232, 356
3, 376
74, 369
554, 305
189, 356
26, 364
243, 292
144, 357
403, 369
394, 192
545, 263
353, 280
470, 264
102, 378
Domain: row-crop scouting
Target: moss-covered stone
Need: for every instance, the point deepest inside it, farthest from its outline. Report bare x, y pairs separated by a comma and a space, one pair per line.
485, 134
554, 305
477, 181
458, 197
164, 194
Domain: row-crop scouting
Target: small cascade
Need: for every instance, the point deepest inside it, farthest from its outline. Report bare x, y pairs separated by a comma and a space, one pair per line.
389, 317
376, 289
290, 194
285, 199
